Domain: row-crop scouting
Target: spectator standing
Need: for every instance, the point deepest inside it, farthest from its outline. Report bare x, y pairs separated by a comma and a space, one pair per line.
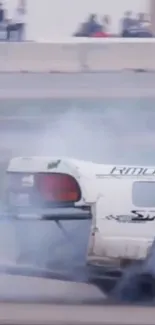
17, 24
20, 15
107, 25
126, 23
2, 13
3, 22
140, 20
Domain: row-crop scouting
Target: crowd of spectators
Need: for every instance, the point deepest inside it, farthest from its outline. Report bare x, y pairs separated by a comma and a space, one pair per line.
130, 26
12, 28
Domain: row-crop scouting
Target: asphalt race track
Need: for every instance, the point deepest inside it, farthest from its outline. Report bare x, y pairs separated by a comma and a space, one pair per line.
20, 289
70, 315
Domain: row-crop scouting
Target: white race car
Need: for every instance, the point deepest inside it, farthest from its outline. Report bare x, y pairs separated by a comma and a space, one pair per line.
113, 208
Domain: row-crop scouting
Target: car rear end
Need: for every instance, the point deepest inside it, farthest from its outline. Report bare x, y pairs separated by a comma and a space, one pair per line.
43, 191
52, 220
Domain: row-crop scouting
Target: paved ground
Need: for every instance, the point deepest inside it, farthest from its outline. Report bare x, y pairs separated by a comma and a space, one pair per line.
22, 288
61, 85
40, 313
70, 315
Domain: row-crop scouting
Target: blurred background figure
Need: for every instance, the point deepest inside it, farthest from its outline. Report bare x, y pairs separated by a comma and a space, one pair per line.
92, 28
140, 26
107, 24
89, 27
16, 25
152, 16
140, 20
2, 13
126, 23
104, 30
20, 15
3, 22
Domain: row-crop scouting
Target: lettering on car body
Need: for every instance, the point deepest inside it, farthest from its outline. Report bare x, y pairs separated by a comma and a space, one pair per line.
136, 216
132, 171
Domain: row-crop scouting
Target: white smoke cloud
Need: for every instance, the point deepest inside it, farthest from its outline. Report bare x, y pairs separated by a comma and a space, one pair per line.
111, 136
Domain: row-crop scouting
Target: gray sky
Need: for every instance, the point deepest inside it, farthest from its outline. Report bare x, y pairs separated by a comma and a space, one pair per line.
49, 19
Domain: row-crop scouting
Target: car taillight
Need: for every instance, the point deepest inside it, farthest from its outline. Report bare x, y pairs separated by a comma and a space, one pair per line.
58, 187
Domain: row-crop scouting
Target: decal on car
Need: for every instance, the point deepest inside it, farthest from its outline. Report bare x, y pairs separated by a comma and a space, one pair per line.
135, 216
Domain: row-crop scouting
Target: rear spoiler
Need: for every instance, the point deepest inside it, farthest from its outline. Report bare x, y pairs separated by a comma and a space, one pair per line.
55, 214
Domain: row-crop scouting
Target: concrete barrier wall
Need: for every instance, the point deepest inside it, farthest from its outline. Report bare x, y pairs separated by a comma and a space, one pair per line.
78, 55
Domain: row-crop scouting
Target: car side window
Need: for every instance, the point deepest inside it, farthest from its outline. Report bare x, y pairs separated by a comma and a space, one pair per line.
143, 194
